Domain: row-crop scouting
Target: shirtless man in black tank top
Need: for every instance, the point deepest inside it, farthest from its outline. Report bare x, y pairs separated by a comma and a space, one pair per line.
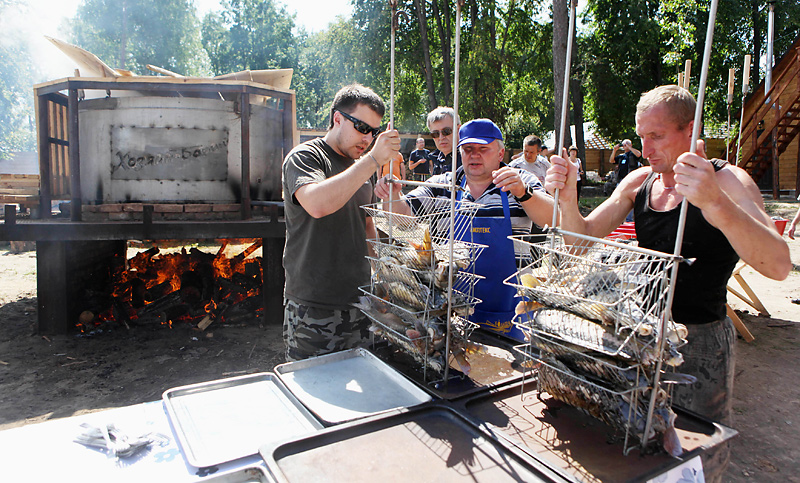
726, 220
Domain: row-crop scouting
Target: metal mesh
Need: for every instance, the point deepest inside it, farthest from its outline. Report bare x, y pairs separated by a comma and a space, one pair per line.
432, 214
600, 282
411, 273
592, 316
622, 410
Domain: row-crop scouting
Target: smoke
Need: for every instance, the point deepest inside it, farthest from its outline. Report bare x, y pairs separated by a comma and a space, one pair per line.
25, 23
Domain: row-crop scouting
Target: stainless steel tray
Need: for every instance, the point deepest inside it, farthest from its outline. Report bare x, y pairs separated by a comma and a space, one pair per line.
220, 421
428, 443
348, 385
576, 445
251, 474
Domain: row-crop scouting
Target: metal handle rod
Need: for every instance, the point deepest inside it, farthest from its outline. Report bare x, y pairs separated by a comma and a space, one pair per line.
424, 183
698, 114
453, 165
745, 91
393, 10
564, 105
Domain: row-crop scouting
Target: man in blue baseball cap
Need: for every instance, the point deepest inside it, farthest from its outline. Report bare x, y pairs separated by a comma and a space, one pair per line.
511, 199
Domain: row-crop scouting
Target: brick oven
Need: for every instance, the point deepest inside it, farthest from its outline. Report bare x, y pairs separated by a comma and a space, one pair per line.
151, 158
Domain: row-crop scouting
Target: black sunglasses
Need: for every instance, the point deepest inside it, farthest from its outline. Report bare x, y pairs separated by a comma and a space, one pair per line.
361, 126
445, 132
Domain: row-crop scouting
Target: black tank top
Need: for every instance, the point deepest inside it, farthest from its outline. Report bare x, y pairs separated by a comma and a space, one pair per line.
700, 292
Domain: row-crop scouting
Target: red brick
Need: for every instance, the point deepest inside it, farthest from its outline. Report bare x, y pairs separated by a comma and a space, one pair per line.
230, 207
110, 208
119, 216
167, 208
197, 208
133, 207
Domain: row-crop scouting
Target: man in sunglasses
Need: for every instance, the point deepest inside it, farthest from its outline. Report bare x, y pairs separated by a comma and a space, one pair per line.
440, 124
325, 183
510, 200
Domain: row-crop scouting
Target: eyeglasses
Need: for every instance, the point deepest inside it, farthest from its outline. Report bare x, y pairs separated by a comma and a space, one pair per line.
361, 126
445, 132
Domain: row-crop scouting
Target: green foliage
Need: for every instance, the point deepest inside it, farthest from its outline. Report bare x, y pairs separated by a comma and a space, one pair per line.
506, 67
625, 61
16, 98
130, 34
250, 34
637, 45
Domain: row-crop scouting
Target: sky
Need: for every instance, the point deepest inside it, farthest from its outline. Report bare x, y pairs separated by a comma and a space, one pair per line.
38, 18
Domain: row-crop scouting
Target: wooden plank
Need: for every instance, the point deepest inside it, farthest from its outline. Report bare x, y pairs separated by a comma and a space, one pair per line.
19, 191
84, 58
19, 198
19, 177
740, 327
29, 184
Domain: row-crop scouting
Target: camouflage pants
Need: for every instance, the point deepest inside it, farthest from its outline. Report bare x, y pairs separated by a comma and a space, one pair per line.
710, 357
311, 331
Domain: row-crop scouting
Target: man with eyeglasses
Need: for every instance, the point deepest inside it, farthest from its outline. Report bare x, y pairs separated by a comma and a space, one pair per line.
325, 183
511, 199
440, 124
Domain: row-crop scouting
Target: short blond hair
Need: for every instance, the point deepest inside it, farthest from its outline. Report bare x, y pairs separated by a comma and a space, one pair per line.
679, 103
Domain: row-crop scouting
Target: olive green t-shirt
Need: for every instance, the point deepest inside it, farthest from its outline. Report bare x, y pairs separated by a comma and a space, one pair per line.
324, 257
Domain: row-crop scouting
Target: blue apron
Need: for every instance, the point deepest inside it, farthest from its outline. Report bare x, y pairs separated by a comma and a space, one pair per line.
496, 263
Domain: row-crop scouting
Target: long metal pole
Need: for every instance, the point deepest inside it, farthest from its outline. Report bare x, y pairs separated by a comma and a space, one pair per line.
770, 42
564, 104
453, 164
731, 83
698, 116
745, 91
393, 9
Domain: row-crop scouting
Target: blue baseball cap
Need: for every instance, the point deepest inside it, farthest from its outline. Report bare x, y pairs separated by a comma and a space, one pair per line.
479, 131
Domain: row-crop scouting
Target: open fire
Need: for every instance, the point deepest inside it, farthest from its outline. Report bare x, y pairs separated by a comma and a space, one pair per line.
189, 286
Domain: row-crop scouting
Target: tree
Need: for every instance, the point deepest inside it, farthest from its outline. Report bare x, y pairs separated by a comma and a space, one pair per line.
250, 34
16, 99
560, 39
626, 59
130, 34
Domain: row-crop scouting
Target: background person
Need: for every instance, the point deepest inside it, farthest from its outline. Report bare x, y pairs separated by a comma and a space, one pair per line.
398, 167
793, 223
573, 158
440, 124
419, 161
627, 161
325, 183
725, 220
532, 160
511, 198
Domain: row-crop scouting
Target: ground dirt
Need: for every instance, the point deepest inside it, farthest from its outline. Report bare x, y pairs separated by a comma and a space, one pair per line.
49, 377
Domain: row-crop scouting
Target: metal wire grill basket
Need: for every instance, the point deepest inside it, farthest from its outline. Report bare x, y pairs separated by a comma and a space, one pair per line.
432, 214
421, 293
614, 284
594, 368
410, 297
625, 411
593, 313
422, 339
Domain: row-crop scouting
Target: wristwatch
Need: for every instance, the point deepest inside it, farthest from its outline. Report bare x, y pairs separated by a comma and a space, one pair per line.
528, 195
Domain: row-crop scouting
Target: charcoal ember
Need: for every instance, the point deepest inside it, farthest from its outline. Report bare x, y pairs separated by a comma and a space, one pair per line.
157, 291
